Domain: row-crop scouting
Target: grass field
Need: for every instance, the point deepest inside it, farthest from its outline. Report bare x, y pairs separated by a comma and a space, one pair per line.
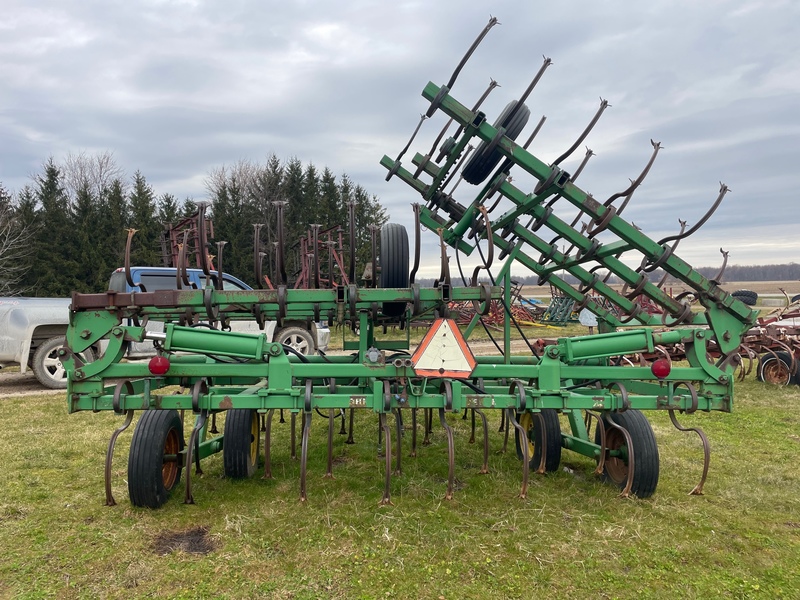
573, 537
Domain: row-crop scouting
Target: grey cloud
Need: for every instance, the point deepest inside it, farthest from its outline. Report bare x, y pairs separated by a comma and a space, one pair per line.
176, 89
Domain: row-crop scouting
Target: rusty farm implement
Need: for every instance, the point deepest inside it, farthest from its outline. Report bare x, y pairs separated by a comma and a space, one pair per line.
584, 394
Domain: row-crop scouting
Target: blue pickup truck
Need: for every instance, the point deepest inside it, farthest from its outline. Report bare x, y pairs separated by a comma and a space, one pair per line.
32, 329
305, 337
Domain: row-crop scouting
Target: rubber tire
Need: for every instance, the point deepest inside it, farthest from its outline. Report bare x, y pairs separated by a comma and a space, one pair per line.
482, 163
795, 298
47, 365
298, 338
156, 432
747, 296
241, 445
552, 428
645, 477
767, 361
394, 265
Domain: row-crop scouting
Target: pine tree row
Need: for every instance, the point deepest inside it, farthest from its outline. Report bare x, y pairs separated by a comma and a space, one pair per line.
72, 219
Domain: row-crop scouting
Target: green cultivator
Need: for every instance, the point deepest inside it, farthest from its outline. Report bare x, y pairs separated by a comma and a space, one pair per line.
584, 394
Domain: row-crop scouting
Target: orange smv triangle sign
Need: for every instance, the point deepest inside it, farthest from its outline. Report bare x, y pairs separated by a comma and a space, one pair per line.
443, 352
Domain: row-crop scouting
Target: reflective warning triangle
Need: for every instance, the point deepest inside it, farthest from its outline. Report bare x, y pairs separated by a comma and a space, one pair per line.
443, 352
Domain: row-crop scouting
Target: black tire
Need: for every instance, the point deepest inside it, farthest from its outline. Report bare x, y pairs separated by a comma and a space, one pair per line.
394, 265
776, 368
297, 338
645, 450
795, 298
747, 296
151, 477
47, 365
241, 445
552, 446
482, 162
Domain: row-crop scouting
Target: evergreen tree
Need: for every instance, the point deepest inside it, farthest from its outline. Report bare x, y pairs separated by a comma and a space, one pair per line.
266, 190
332, 210
5, 199
369, 212
113, 224
312, 196
295, 215
234, 213
145, 249
188, 208
55, 264
91, 270
26, 214
167, 210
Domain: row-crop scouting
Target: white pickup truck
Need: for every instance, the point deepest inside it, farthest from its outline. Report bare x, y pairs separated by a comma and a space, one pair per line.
31, 332
32, 329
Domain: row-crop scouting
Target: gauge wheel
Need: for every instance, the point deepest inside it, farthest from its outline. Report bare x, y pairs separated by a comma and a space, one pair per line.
646, 462
240, 448
155, 462
552, 428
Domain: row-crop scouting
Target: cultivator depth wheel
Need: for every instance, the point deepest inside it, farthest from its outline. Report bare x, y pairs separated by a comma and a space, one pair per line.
532, 423
618, 454
242, 443
154, 462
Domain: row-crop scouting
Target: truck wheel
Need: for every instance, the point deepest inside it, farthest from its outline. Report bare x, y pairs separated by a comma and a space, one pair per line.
297, 338
154, 462
645, 456
47, 365
241, 443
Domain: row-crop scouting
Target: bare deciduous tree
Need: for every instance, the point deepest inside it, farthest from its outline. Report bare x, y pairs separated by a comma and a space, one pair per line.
92, 172
15, 249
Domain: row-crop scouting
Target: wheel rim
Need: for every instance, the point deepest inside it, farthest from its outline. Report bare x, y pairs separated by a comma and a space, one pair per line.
254, 433
169, 469
776, 372
616, 466
526, 421
298, 342
53, 366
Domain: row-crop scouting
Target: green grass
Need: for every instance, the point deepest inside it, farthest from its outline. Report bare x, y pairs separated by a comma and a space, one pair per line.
572, 537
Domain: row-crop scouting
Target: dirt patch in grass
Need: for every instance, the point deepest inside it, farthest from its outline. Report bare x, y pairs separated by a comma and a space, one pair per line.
191, 541
14, 383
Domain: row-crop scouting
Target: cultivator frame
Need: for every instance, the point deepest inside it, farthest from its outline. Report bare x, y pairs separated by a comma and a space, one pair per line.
597, 379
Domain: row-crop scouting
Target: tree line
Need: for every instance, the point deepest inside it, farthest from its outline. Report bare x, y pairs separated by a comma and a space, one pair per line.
66, 230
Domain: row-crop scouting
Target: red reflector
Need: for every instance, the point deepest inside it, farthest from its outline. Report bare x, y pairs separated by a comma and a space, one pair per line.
661, 368
158, 365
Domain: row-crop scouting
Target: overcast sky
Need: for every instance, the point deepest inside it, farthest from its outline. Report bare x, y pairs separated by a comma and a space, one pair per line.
178, 88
